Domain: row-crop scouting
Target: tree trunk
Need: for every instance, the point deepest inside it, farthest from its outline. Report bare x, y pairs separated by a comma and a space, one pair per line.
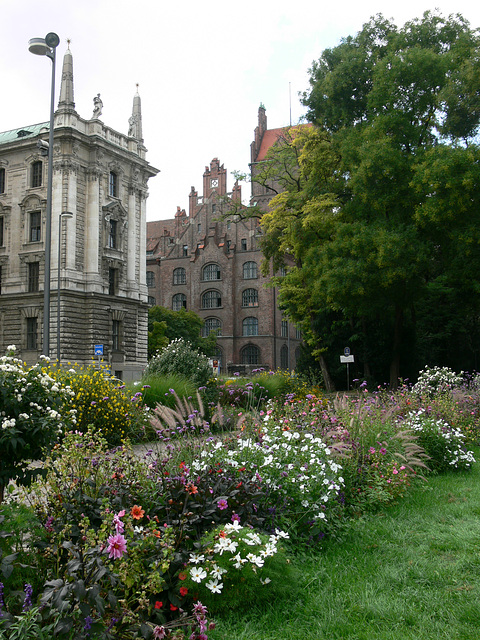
397, 342
329, 386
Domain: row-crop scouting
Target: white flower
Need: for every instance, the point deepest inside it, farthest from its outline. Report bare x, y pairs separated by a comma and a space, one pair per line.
217, 571
214, 586
239, 561
266, 581
198, 574
234, 526
196, 558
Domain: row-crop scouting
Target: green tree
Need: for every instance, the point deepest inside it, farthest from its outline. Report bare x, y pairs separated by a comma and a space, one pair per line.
165, 325
382, 212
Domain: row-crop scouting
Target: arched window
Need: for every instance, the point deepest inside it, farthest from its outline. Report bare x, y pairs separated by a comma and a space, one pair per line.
150, 279
179, 301
211, 300
36, 173
250, 298
284, 357
212, 324
250, 327
211, 272
250, 354
249, 270
179, 276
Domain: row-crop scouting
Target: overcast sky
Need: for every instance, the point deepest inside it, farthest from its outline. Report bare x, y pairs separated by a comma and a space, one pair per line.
202, 68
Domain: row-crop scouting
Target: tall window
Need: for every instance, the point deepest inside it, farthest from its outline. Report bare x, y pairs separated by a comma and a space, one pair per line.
250, 298
212, 324
284, 357
36, 174
244, 244
31, 333
211, 300
250, 327
150, 279
33, 276
112, 234
179, 276
35, 234
116, 335
179, 301
0, 278
2, 180
211, 272
112, 281
249, 270
185, 250
113, 185
284, 329
152, 301
250, 354
1, 231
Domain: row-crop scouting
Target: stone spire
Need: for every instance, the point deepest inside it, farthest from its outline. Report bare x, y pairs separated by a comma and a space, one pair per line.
66, 86
135, 121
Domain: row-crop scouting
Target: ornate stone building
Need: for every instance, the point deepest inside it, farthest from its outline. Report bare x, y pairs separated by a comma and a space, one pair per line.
210, 263
100, 177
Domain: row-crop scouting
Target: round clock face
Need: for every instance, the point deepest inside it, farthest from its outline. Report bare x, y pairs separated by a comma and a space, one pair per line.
214, 182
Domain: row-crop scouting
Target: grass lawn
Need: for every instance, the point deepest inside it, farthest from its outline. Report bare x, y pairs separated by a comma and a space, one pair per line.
411, 571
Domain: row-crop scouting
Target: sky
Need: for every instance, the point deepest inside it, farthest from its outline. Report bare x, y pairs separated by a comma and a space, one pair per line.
202, 69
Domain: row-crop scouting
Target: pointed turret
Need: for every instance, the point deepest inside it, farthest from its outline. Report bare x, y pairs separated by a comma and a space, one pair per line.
135, 121
66, 86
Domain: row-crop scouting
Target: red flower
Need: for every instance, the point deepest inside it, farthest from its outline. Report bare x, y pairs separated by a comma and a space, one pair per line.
158, 604
191, 488
182, 576
173, 607
183, 591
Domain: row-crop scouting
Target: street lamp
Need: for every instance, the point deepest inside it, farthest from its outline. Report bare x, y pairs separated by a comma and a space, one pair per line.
66, 215
46, 47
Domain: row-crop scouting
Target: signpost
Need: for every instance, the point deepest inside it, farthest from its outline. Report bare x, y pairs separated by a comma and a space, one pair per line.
347, 358
98, 351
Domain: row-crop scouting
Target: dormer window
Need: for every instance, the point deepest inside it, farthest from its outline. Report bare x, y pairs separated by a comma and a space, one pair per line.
113, 185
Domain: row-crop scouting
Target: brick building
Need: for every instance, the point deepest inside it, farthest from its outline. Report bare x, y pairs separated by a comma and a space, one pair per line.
210, 263
100, 177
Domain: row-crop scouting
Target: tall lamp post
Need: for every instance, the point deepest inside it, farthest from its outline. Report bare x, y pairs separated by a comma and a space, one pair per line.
46, 47
66, 215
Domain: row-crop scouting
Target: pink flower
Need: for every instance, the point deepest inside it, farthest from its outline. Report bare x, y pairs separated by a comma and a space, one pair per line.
119, 526
117, 546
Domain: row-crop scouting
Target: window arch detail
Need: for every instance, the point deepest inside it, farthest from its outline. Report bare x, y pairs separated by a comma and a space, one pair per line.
250, 326
211, 299
250, 270
179, 276
212, 324
250, 354
211, 272
179, 301
250, 298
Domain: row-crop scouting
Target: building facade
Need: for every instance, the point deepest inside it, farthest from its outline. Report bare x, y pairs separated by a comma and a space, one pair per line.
209, 262
100, 186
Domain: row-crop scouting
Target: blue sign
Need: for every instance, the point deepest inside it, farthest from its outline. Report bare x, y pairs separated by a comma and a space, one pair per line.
98, 349
346, 351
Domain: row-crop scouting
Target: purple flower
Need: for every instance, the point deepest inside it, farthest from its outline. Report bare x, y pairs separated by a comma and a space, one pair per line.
27, 603
117, 546
159, 632
119, 526
222, 504
235, 517
2, 603
88, 624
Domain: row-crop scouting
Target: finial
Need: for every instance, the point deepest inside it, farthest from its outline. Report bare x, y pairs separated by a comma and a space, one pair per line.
137, 85
68, 43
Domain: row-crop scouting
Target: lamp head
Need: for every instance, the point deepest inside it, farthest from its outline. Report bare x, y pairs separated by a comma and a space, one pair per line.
43, 46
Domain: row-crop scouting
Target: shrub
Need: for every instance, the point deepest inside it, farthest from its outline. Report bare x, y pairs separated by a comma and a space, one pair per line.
31, 403
443, 444
433, 380
102, 401
235, 567
158, 389
180, 358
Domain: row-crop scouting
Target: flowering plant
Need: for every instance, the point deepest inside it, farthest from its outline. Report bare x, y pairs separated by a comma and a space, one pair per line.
300, 476
233, 565
443, 443
180, 358
31, 404
433, 380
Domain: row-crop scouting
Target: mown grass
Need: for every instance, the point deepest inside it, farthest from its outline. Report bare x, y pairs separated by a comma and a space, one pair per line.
410, 571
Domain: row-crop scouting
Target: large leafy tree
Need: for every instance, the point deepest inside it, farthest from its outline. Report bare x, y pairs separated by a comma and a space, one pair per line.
165, 325
382, 217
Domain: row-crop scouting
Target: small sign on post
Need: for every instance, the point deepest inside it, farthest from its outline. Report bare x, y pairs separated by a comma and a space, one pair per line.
347, 358
98, 351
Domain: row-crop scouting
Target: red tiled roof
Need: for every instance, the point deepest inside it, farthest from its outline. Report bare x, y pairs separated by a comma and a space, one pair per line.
271, 136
